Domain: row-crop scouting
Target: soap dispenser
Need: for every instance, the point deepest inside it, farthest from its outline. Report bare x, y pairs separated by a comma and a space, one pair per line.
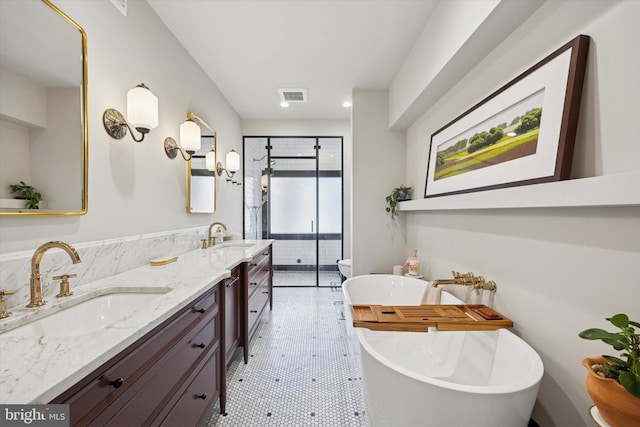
413, 264
219, 235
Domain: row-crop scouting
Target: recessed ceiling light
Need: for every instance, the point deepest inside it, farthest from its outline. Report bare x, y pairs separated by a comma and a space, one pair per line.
284, 104
346, 104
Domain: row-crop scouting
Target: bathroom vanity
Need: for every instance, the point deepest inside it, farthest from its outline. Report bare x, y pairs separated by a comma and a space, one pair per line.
172, 373
164, 361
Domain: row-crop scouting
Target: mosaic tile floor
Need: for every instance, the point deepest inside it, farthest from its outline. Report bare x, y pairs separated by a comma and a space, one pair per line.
304, 368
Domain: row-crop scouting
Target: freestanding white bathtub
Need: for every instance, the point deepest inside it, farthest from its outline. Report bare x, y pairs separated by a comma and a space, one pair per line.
441, 379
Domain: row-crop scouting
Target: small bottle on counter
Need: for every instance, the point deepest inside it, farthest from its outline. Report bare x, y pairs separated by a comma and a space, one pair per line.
413, 264
219, 235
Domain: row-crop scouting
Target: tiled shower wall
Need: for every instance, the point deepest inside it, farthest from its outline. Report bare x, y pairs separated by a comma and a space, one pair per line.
288, 252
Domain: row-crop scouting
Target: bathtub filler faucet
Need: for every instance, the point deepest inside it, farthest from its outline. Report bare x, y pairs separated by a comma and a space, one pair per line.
36, 281
477, 283
211, 241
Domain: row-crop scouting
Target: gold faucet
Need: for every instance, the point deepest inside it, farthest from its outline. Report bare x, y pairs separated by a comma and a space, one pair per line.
476, 283
36, 280
458, 279
211, 240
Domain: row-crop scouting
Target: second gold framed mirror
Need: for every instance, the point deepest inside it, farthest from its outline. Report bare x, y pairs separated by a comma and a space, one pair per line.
201, 182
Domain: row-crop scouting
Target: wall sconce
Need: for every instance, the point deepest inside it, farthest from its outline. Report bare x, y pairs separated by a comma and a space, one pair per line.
142, 113
190, 141
233, 165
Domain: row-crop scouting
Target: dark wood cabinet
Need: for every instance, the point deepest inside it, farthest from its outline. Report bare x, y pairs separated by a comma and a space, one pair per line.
176, 369
257, 294
193, 406
233, 312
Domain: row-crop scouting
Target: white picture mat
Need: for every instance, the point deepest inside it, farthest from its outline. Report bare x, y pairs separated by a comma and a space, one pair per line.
552, 78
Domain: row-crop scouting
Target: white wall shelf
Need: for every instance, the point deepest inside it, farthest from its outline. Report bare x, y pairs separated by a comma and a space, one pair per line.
609, 190
12, 204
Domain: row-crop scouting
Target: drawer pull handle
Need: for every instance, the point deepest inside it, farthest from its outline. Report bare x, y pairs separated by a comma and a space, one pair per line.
265, 254
253, 311
253, 264
265, 292
201, 345
202, 396
202, 310
254, 283
228, 285
117, 383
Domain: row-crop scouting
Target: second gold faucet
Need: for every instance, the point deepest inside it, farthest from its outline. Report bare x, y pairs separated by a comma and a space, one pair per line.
211, 240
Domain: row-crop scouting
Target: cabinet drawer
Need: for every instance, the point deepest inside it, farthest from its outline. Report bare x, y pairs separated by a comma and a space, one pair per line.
256, 304
259, 264
96, 393
155, 388
198, 398
256, 283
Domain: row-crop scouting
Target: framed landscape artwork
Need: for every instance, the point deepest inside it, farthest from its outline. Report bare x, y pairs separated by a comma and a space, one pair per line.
523, 133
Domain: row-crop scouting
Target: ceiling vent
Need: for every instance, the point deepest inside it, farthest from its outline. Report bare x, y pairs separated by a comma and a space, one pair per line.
293, 95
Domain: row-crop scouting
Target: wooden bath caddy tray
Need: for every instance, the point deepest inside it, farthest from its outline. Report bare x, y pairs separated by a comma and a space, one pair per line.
418, 318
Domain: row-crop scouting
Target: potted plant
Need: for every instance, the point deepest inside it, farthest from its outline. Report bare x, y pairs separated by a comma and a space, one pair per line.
614, 382
398, 194
28, 193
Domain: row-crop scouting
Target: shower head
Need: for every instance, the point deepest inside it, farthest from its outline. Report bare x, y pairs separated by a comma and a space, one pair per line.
271, 163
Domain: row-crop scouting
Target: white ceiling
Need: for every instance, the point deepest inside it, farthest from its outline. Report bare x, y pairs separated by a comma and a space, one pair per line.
250, 48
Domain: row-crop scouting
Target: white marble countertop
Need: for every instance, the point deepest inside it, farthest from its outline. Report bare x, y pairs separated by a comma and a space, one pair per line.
35, 369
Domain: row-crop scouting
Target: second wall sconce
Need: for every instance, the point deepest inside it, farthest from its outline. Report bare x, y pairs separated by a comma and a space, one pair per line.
190, 141
233, 165
142, 114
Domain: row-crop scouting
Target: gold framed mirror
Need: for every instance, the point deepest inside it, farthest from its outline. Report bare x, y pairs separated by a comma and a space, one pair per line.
43, 111
201, 182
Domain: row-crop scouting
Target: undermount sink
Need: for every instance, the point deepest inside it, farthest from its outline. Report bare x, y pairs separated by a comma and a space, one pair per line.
88, 316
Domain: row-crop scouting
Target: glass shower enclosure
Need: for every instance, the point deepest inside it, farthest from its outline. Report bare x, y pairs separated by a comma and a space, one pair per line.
293, 194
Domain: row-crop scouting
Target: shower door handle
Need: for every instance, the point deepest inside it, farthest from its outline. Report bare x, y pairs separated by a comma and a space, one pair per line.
312, 226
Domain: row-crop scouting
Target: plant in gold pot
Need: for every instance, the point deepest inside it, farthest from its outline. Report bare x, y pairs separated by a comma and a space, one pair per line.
614, 382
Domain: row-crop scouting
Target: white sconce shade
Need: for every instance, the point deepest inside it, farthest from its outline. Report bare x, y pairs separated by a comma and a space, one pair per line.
142, 108
190, 136
210, 161
233, 166
233, 161
264, 182
142, 114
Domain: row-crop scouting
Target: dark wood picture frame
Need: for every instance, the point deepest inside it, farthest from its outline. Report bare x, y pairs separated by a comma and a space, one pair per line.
507, 154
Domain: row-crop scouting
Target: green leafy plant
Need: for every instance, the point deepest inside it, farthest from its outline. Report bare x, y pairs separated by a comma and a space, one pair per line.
397, 195
626, 372
27, 192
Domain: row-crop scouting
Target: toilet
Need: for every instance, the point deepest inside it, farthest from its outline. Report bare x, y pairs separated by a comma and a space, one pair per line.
344, 265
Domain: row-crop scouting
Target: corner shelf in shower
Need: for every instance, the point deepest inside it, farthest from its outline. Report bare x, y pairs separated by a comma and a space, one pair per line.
621, 189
